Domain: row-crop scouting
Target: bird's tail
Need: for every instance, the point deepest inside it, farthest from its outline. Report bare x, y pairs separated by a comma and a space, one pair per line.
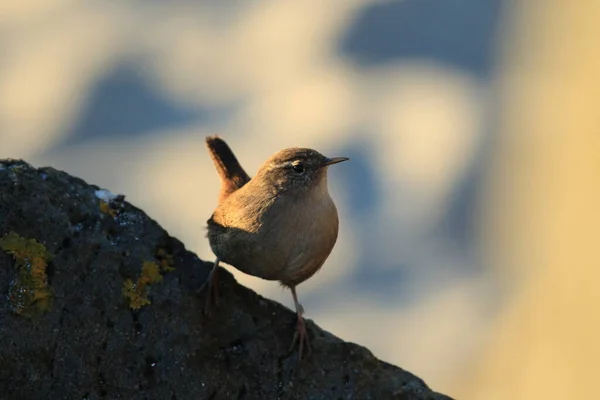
231, 172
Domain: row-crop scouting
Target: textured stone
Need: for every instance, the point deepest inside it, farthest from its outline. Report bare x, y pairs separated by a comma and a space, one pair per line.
92, 344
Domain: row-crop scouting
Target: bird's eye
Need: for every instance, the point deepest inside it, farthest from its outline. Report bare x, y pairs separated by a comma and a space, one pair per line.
298, 167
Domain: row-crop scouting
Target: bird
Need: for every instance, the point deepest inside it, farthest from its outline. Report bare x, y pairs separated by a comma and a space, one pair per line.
279, 225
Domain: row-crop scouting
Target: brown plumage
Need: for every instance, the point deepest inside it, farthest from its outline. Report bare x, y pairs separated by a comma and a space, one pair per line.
230, 171
280, 225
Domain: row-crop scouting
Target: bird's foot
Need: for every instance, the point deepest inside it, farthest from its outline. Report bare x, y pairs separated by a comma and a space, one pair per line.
300, 336
212, 297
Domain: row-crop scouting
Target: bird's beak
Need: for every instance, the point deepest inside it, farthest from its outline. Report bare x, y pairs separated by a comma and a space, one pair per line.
334, 160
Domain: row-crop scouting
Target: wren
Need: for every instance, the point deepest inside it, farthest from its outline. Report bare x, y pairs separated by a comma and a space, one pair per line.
280, 225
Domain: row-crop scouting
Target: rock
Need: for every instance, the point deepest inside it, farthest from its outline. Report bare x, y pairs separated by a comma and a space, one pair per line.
99, 302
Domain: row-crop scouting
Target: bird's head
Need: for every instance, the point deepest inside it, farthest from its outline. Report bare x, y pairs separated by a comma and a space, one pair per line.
296, 169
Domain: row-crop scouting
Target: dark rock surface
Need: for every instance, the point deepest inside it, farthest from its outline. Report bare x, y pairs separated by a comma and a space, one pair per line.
91, 344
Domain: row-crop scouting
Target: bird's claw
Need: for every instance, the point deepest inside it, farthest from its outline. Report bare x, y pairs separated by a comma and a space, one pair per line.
212, 297
300, 336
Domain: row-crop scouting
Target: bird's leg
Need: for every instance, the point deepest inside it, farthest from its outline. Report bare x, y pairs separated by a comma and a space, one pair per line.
213, 287
300, 334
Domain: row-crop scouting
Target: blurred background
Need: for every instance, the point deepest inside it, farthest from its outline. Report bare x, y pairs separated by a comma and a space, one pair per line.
469, 210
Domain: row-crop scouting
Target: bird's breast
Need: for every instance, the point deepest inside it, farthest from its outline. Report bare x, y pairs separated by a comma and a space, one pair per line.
304, 235
287, 239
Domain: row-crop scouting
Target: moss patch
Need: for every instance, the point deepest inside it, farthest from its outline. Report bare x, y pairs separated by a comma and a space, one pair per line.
29, 294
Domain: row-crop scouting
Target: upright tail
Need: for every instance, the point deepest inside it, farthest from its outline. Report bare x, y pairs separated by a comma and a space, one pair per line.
231, 172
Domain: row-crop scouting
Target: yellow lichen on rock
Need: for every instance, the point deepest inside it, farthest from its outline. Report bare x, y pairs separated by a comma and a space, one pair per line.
29, 294
107, 209
165, 260
137, 292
